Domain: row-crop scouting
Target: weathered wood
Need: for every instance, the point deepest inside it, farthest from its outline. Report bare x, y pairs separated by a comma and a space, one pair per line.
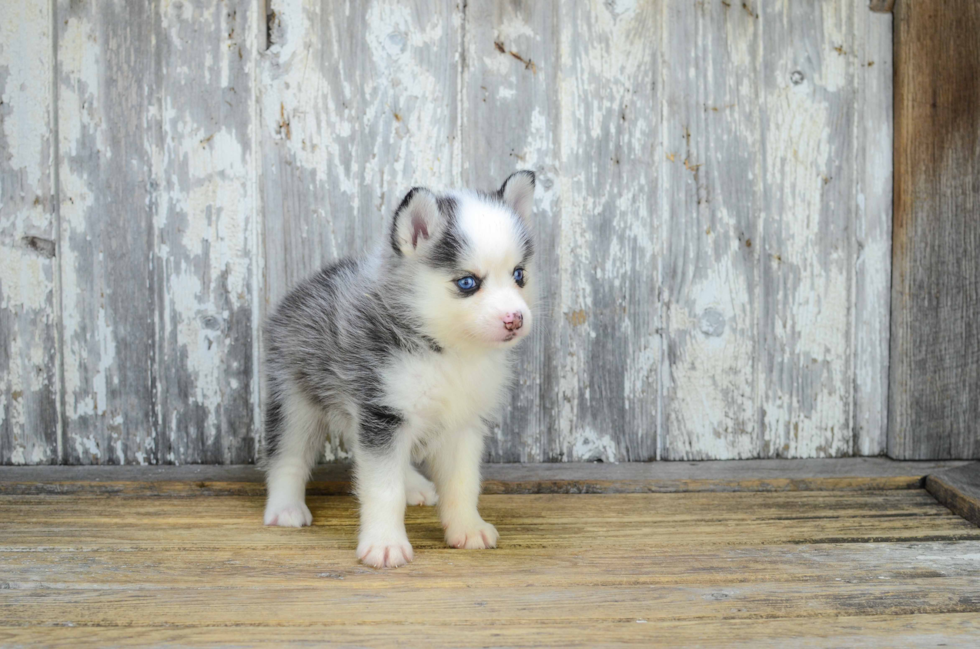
571, 571
713, 195
872, 228
958, 489
523, 606
29, 383
609, 385
719, 565
935, 325
764, 137
337, 530
806, 235
358, 104
156, 173
860, 474
205, 220
873, 632
106, 94
509, 120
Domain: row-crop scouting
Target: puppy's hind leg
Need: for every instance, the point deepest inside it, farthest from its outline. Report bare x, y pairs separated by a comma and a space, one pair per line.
418, 489
294, 435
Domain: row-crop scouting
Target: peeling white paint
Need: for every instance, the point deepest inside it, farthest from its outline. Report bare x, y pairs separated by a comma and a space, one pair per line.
23, 27
807, 389
591, 445
608, 231
28, 326
88, 448
26, 280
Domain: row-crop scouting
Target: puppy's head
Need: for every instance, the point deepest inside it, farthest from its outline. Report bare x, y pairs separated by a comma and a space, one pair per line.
467, 256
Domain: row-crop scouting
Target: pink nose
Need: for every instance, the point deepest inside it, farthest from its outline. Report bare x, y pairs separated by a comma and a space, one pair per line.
513, 321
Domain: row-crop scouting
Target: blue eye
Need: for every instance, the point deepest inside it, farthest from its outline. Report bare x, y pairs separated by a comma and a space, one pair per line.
519, 276
467, 284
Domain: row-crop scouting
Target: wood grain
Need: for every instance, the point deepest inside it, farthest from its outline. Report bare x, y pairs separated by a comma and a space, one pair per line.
720, 566
935, 344
29, 343
849, 474
106, 132
806, 246
609, 385
776, 293
628, 521
156, 177
207, 392
866, 569
884, 631
958, 489
713, 179
872, 229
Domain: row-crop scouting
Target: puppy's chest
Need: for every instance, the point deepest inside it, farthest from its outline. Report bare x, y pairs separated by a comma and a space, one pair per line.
443, 390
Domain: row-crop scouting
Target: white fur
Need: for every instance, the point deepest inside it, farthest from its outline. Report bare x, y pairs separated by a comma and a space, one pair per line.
286, 477
475, 322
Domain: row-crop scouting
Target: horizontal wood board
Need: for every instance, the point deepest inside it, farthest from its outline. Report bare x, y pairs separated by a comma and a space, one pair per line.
861, 474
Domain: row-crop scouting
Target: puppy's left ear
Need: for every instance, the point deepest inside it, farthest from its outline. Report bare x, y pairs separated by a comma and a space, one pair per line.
517, 192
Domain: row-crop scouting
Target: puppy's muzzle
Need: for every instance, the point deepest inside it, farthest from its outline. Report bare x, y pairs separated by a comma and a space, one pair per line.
513, 321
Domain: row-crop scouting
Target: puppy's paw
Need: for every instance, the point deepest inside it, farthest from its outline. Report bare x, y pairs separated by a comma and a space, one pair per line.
419, 491
384, 551
295, 514
471, 535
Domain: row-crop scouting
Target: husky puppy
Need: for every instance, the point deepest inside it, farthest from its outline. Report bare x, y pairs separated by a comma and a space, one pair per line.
406, 355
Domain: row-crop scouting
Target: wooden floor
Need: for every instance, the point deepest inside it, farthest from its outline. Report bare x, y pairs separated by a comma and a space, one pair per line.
812, 568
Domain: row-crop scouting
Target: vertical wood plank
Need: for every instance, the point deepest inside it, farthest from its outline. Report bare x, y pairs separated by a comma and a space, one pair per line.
806, 242
204, 219
105, 99
358, 104
872, 144
509, 121
28, 263
611, 159
935, 327
712, 185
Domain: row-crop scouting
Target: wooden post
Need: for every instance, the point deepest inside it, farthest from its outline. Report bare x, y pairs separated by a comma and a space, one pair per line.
934, 403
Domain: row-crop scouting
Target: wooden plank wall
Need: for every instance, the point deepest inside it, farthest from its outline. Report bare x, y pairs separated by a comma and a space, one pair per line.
935, 336
712, 215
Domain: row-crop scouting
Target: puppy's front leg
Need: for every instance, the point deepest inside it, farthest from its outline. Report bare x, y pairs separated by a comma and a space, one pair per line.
380, 481
455, 467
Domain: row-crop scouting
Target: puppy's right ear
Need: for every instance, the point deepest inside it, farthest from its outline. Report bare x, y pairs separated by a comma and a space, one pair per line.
417, 220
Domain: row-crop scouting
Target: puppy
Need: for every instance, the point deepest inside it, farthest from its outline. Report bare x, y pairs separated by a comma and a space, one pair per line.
405, 354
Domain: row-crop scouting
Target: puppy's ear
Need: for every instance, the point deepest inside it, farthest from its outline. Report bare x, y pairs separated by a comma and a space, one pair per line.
417, 221
517, 192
